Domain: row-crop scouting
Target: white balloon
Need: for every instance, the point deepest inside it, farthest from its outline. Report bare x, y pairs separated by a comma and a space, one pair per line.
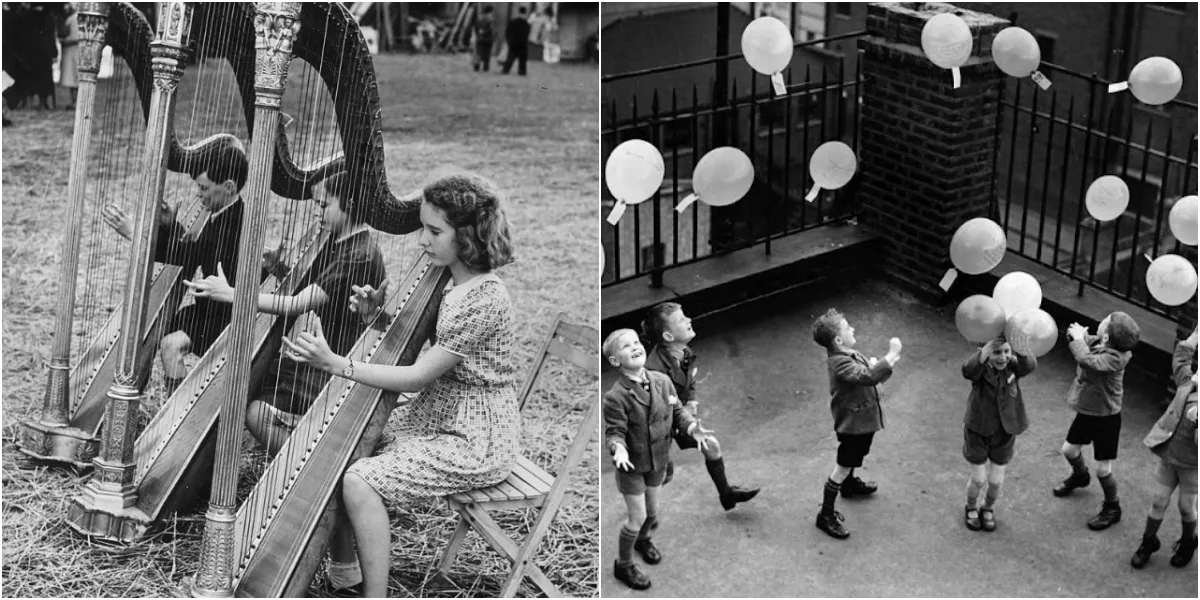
634, 171
1107, 198
947, 41
767, 45
1183, 220
832, 165
1171, 279
1016, 292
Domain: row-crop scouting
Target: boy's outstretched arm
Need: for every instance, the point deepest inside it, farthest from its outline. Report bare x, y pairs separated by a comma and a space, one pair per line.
849, 370
1101, 362
972, 368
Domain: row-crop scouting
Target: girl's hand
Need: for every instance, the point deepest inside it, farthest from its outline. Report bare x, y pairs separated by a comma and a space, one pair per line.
621, 458
116, 218
368, 301
214, 287
312, 348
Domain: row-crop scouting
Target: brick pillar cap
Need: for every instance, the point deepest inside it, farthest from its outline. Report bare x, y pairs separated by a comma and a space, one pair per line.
902, 22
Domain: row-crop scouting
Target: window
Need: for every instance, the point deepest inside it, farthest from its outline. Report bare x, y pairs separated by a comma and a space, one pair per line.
1046, 42
842, 9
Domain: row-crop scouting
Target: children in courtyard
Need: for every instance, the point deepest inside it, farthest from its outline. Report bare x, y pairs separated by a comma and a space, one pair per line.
1096, 395
995, 416
640, 412
854, 384
1173, 439
670, 331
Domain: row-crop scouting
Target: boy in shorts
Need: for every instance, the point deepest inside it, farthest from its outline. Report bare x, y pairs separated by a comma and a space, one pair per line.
1096, 395
1173, 439
639, 413
854, 384
995, 416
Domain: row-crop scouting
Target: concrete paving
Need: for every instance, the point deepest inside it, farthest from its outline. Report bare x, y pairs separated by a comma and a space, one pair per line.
763, 388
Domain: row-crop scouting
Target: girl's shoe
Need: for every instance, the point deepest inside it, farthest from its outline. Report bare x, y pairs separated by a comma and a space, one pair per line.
971, 515
988, 519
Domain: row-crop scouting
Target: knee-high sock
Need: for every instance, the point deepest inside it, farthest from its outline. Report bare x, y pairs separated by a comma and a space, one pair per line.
716, 470
648, 526
1109, 484
625, 546
973, 487
831, 491
1078, 467
1151, 532
993, 493
1189, 530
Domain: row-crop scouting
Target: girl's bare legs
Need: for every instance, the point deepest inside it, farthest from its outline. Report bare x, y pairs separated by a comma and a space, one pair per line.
372, 530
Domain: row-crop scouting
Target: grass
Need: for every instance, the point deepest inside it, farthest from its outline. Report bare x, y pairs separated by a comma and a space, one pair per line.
536, 137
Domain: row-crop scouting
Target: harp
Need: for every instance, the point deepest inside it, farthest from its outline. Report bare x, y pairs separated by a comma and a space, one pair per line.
270, 544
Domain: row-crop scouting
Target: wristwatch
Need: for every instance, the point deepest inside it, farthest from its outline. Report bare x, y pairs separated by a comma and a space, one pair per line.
348, 372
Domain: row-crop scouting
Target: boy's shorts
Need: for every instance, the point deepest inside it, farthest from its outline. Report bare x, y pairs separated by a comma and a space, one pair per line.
1171, 475
978, 448
853, 448
1103, 432
636, 483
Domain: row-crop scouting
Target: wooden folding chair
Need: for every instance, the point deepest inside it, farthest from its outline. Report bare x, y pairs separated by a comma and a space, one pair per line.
529, 485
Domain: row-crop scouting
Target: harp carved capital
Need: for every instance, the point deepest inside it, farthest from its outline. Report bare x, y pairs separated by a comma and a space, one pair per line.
92, 19
276, 25
174, 23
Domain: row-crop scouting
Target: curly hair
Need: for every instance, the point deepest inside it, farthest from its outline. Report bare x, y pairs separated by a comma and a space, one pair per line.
655, 322
826, 327
472, 206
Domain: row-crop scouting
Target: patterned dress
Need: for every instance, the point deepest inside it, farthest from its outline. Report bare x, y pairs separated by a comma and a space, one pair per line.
462, 432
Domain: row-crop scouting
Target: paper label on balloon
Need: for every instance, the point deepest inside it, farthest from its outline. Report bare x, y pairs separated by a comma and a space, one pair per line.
687, 201
956, 75
813, 193
778, 84
948, 279
616, 213
1118, 87
1041, 80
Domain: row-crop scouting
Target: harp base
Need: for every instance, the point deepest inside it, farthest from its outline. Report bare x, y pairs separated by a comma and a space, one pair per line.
57, 445
106, 516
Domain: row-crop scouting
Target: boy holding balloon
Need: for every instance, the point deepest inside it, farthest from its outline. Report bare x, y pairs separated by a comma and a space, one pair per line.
1096, 396
854, 384
1173, 439
995, 416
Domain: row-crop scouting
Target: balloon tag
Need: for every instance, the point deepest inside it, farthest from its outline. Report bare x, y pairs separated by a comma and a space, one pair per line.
1041, 80
687, 201
956, 75
812, 194
1118, 87
948, 279
616, 213
778, 84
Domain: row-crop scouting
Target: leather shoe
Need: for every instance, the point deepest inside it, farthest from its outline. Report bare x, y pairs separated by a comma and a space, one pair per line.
1110, 514
1142, 556
648, 551
832, 524
1184, 549
1068, 485
853, 486
972, 521
736, 495
987, 519
631, 576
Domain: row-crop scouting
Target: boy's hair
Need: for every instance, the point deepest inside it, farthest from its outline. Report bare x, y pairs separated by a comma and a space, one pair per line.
607, 348
655, 322
228, 163
472, 206
1123, 331
826, 327
341, 187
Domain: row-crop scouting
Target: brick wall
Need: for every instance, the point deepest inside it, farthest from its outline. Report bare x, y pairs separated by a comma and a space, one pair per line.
927, 149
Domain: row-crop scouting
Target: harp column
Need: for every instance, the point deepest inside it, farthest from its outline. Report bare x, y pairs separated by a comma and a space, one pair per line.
276, 25
105, 508
51, 437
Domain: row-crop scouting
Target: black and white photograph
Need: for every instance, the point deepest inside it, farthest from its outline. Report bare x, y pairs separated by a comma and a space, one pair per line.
898, 299
300, 299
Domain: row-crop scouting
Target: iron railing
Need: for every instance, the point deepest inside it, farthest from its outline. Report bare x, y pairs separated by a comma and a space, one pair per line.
684, 121
1054, 143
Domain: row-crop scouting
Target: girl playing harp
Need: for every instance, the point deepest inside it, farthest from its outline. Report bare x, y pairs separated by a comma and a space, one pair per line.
461, 432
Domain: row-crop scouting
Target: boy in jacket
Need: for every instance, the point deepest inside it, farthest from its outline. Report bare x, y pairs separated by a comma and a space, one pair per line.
1096, 395
1173, 439
640, 411
995, 416
853, 383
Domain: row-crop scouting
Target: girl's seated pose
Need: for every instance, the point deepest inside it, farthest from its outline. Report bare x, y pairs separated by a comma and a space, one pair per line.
461, 432
349, 259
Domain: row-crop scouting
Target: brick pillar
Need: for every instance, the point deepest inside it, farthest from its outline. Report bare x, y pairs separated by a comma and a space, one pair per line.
927, 150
